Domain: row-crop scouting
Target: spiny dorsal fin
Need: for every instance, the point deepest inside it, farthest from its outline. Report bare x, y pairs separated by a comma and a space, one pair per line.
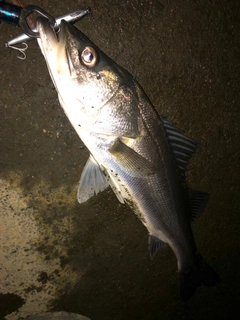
197, 202
92, 181
182, 146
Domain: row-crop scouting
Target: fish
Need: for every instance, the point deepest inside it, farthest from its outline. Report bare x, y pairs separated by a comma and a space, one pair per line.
138, 153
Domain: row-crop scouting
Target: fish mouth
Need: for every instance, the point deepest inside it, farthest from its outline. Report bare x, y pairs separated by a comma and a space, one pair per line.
54, 47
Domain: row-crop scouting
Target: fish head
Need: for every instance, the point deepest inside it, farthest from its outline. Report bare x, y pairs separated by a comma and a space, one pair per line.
86, 79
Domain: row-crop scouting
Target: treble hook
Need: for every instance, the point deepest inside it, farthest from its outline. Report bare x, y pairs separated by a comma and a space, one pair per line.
22, 50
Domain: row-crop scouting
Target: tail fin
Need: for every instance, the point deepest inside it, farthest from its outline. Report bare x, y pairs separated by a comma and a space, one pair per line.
200, 274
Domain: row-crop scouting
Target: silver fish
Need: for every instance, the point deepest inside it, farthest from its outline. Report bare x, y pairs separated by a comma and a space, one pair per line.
139, 154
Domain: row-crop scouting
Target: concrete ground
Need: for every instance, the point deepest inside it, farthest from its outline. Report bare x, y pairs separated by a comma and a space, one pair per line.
93, 259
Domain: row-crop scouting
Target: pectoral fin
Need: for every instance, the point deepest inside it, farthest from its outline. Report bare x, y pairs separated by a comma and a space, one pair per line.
132, 162
92, 181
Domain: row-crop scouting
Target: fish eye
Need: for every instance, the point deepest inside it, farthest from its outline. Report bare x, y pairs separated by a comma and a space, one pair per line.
89, 57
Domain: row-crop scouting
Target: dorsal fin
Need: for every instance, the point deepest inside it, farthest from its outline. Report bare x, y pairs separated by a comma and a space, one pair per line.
182, 146
197, 202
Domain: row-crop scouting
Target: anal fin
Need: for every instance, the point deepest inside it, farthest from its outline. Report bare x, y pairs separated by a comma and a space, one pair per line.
155, 244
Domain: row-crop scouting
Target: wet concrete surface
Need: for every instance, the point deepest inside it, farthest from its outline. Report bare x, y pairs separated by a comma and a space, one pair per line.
93, 259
